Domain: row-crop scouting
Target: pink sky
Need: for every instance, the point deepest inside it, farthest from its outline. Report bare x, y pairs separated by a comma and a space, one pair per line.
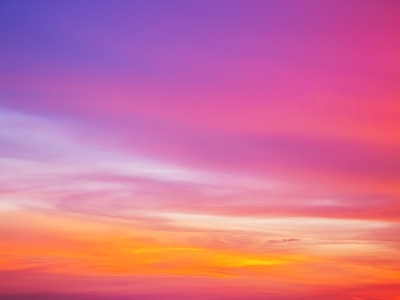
219, 150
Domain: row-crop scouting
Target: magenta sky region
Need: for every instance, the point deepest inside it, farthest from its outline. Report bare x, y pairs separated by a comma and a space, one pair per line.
199, 150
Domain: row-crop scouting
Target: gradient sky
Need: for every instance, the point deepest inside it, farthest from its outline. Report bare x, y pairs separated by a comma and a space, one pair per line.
200, 150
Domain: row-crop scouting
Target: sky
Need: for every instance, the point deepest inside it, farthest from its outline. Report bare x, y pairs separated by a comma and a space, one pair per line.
199, 150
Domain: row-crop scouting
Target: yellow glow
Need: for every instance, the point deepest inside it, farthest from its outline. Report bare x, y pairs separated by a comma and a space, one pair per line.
60, 245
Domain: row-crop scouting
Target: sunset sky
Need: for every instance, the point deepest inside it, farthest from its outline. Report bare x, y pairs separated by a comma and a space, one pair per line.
159, 150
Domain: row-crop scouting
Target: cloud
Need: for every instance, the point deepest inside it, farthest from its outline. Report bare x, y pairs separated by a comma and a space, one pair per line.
283, 241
